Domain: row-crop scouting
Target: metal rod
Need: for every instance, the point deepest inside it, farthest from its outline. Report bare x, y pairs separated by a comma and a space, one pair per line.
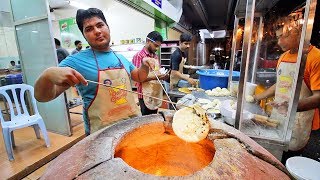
164, 90
309, 16
233, 50
257, 50
250, 8
135, 92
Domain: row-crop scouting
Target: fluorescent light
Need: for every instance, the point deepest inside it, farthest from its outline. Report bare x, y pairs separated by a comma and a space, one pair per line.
79, 5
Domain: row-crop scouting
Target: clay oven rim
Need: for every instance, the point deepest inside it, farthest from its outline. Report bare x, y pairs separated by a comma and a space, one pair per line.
93, 157
120, 129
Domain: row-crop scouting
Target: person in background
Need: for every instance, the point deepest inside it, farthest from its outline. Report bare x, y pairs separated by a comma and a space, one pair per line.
150, 86
61, 52
102, 106
12, 65
307, 117
78, 45
177, 61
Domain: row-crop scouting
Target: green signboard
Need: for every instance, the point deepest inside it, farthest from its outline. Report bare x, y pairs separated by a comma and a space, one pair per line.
70, 32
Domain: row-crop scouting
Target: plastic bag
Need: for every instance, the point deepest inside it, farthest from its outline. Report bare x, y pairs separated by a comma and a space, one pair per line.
187, 100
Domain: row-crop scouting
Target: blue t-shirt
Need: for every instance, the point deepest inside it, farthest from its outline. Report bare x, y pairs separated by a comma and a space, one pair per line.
85, 63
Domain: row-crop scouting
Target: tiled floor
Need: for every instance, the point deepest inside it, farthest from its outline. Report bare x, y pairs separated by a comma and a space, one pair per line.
31, 153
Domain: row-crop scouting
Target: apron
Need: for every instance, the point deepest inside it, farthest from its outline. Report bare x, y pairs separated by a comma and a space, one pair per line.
109, 104
303, 120
174, 80
152, 88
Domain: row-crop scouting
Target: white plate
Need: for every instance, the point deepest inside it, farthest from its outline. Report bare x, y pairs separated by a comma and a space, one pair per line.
303, 168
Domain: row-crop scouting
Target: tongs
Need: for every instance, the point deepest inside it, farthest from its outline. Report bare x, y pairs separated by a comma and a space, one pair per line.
199, 111
164, 89
134, 92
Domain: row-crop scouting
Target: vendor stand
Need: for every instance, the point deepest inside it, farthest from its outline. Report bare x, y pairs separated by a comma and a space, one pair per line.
275, 139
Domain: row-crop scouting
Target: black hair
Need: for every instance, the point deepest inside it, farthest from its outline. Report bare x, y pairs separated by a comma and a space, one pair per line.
82, 15
76, 42
155, 36
57, 42
184, 37
12, 62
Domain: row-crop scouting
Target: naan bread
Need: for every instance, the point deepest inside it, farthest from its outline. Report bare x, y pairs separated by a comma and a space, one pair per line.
188, 126
184, 90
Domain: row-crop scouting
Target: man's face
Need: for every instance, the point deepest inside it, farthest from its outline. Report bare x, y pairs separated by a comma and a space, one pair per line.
79, 46
97, 33
185, 45
289, 39
153, 46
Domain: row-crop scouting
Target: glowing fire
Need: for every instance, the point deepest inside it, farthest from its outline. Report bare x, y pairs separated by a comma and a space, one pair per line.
153, 151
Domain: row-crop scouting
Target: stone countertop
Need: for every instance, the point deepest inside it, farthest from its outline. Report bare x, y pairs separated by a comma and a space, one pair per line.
176, 93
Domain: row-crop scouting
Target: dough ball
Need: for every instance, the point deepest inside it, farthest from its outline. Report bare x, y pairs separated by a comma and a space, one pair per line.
249, 99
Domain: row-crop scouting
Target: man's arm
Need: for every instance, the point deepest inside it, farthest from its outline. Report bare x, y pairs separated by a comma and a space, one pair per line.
141, 74
267, 93
181, 76
137, 61
176, 59
53, 81
311, 102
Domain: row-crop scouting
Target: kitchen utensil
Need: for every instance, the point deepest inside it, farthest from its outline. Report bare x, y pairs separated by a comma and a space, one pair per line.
133, 92
198, 111
164, 90
229, 113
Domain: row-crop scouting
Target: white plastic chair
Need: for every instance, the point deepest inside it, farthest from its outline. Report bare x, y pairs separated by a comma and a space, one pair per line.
21, 117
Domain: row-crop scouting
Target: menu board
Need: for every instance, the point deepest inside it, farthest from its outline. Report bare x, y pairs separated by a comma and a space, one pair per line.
70, 32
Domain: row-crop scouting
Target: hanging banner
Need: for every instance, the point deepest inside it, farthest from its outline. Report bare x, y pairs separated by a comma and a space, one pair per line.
70, 32
158, 3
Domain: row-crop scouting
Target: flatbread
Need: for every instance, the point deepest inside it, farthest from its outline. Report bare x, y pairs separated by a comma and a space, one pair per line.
184, 90
188, 90
189, 126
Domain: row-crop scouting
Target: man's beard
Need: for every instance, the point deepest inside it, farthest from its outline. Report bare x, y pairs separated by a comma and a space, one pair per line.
151, 51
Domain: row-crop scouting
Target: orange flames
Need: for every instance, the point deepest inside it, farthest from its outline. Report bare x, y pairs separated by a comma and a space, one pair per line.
153, 151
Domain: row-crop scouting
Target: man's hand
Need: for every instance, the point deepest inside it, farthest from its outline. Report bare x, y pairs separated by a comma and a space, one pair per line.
148, 62
163, 76
64, 76
191, 81
256, 100
53, 81
281, 107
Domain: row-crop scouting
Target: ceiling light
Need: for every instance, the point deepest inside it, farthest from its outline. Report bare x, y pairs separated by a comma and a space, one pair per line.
79, 5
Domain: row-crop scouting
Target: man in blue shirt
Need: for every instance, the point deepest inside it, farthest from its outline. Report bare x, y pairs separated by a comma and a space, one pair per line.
102, 105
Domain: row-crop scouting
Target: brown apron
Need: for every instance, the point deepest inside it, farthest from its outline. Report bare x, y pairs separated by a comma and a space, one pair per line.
174, 80
152, 88
111, 105
303, 120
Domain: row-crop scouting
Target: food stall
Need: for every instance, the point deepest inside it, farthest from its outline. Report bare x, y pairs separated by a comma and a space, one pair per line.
144, 147
275, 132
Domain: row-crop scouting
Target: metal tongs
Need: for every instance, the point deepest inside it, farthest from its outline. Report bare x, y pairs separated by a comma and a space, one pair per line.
199, 111
154, 72
110, 86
